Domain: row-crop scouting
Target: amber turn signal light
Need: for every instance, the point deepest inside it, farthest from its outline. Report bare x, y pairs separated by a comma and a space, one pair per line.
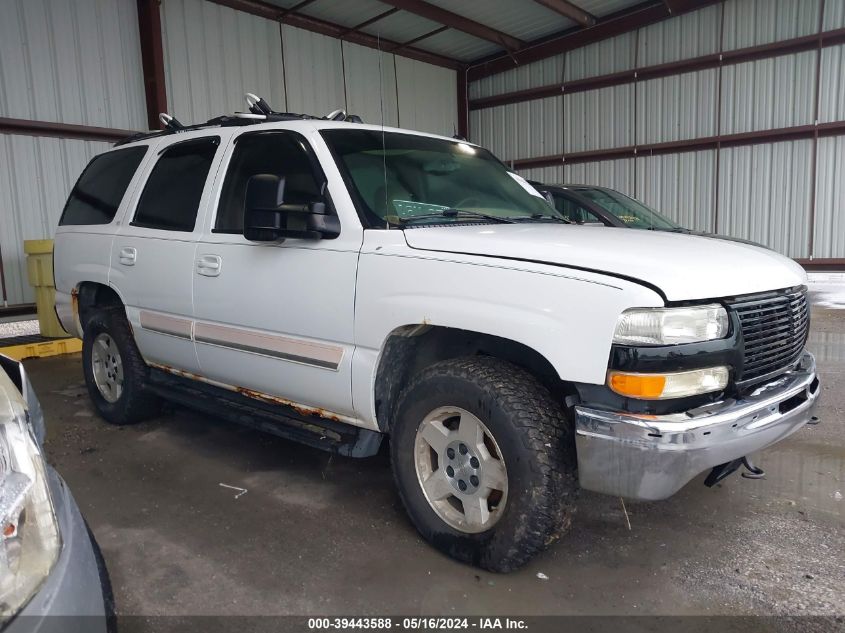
648, 386
670, 385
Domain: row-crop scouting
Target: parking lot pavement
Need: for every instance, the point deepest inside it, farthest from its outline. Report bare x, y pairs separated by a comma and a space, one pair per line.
321, 534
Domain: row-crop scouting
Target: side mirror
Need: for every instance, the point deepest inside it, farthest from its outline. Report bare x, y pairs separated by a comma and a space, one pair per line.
267, 218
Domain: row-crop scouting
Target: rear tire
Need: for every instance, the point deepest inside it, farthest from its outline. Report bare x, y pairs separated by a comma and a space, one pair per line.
115, 373
484, 460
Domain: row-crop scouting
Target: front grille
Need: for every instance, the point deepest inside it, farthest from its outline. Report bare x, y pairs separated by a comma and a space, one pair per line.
774, 328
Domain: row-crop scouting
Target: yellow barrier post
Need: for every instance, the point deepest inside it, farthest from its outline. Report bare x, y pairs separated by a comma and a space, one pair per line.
39, 268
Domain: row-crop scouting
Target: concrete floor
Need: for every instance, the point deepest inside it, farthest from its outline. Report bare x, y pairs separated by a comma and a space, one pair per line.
320, 535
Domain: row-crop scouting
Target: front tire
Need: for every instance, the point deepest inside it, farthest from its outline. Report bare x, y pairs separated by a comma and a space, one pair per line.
484, 461
115, 373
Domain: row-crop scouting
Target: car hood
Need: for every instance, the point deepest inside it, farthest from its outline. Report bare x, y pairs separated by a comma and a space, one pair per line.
684, 267
717, 236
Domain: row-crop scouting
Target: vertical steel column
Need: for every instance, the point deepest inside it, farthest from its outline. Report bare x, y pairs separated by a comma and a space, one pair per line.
152, 60
814, 158
463, 104
716, 176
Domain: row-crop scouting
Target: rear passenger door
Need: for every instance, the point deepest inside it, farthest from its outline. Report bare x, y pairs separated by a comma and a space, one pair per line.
152, 255
88, 224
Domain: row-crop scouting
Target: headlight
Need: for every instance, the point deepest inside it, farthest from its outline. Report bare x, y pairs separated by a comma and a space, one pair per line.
29, 534
671, 326
668, 385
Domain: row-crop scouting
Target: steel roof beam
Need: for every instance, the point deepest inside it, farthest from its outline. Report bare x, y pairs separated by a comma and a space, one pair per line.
62, 130
372, 20
681, 6
419, 38
323, 27
740, 139
624, 21
569, 10
297, 7
800, 44
457, 22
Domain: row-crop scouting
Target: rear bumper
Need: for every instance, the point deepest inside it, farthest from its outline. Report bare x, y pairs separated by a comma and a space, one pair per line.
66, 313
651, 457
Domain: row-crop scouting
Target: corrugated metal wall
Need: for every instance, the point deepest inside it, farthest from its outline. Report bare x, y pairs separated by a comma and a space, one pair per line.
53, 67
677, 108
214, 54
762, 192
829, 238
681, 186
765, 194
427, 96
373, 97
36, 174
80, 62
769, 93
832, 93
598, 119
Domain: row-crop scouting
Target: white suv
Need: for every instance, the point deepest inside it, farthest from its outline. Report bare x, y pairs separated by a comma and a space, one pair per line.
339, 283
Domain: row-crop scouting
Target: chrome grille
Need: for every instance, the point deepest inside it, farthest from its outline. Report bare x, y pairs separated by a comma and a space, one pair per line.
774, 328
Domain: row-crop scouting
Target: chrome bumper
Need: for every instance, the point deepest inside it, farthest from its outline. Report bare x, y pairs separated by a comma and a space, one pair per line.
651, 457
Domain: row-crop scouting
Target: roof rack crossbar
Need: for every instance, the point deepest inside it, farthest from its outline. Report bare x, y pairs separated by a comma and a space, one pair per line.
259, 112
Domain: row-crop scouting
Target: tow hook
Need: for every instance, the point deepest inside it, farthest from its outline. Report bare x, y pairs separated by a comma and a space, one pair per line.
752, 471
721, 471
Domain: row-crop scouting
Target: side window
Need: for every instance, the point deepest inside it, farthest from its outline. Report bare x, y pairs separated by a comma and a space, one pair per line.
171, 197
99, 190
283, 154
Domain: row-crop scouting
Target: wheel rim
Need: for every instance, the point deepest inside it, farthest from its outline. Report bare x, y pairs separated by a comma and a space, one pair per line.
107, 366
460, 469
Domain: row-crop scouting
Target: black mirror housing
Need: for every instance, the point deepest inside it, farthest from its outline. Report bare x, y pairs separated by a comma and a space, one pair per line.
267, 218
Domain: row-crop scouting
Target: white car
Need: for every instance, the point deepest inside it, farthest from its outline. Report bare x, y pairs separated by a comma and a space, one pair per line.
339, 283
52, 573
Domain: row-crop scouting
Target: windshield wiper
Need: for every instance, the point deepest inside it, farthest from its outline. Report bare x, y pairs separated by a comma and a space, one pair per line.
457, 213
542, 216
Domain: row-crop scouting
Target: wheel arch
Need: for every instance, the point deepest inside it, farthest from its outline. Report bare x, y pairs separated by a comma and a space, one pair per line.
91, 294
410, 348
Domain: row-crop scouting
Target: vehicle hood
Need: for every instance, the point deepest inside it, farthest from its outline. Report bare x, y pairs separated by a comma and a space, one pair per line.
717, 236
682, 266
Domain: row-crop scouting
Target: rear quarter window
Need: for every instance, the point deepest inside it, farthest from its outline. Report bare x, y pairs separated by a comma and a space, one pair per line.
96, 196
170, 199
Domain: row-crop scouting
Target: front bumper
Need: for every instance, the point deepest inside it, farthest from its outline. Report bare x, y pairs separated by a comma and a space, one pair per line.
76, 596
651, 457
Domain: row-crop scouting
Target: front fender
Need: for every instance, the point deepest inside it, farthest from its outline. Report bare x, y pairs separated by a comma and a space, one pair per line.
567, 316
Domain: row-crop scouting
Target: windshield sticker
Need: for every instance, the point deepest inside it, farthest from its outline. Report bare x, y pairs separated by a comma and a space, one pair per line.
411, 208
524, 184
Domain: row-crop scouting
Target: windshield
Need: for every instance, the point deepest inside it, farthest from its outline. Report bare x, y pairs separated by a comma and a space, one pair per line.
408, 180
634, 214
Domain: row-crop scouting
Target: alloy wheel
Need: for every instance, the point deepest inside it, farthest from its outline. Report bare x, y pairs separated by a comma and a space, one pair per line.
460, 469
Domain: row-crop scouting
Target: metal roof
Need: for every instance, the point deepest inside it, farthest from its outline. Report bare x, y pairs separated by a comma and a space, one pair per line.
460, 31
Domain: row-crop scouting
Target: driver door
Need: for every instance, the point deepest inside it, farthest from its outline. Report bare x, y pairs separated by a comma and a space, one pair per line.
275, 318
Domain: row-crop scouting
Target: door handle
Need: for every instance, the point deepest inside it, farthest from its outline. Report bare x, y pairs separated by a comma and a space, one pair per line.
128, 254
209, 265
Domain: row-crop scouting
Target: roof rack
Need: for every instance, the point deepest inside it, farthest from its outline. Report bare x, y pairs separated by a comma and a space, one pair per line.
259, 112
